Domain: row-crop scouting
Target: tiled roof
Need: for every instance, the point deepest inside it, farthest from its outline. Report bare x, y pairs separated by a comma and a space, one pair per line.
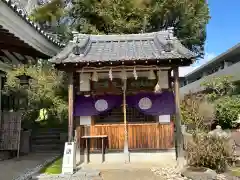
147, 46
22, 14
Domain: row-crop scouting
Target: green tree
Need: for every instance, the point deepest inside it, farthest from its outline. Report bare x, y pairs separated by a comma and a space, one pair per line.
50, 17
46, 90
188, 17
50, 12
217, 87
197, 112
227, 110
221, 91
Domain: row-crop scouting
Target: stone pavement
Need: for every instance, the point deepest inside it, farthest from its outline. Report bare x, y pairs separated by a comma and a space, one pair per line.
131, 171
81, 174
14, 169
131, 174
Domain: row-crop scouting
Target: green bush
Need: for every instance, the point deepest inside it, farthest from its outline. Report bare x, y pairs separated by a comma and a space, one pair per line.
210, 152
227, 110
197, 112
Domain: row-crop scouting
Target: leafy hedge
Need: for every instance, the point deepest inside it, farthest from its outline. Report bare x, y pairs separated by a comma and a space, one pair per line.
210, 151
227, 110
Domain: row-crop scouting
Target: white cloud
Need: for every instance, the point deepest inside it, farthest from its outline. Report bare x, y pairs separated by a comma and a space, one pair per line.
185, 70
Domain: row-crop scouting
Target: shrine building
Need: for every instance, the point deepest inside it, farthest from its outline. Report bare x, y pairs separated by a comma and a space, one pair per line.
121, 91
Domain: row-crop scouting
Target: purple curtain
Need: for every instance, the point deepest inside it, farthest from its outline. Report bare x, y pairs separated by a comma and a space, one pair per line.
153, 104
147, 103
89, 106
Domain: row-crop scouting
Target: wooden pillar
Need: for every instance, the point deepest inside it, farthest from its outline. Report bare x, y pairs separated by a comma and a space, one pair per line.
125, 117
70, 107
170, 79
1, 101
179, 136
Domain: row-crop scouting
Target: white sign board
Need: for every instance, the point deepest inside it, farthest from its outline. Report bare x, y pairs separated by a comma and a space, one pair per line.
69, 158
164, 119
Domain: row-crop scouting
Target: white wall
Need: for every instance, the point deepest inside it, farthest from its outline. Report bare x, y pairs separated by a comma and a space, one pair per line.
233, 70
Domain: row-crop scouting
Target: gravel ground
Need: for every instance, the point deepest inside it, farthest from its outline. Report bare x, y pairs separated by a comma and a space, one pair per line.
173, 174
168, 173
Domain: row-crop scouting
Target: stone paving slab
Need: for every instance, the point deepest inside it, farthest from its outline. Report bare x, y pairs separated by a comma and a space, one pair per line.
81, 174
133, 174
16, 168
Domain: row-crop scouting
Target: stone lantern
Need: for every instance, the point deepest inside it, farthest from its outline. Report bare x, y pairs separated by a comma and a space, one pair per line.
237, 123
24, 79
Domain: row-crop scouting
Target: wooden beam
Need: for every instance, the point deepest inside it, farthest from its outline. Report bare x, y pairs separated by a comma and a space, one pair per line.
22, 50
179, 136
70, 107
19, 56
14, 60
170, 79
77, 66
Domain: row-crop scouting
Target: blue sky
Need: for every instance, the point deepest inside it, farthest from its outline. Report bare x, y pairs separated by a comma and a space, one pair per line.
223, 30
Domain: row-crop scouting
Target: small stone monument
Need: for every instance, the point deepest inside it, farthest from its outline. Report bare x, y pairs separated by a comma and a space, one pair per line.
237, 123
219, 132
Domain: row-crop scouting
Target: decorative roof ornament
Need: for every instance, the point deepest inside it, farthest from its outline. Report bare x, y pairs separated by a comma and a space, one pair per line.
168, 47
80, 41
75, 36
171, 33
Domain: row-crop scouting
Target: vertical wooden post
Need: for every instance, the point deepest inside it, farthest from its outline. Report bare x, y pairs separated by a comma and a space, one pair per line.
70, 107
169, 79
0, 101
179, 136
125, 117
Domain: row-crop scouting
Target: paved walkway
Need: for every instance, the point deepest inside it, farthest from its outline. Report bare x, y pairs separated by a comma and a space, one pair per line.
131, 174
131, 171
13, 168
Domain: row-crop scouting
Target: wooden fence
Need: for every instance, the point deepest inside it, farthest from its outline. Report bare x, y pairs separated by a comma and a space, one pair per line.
10, 129
140, 136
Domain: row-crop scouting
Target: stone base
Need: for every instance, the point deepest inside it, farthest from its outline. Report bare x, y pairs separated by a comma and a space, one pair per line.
199, 173
132, 157
127, 157
181, 163
4, 155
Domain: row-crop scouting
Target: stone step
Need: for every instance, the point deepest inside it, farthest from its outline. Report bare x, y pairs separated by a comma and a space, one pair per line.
39, 151
47, 148
46, 141
50, 130
47, 136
